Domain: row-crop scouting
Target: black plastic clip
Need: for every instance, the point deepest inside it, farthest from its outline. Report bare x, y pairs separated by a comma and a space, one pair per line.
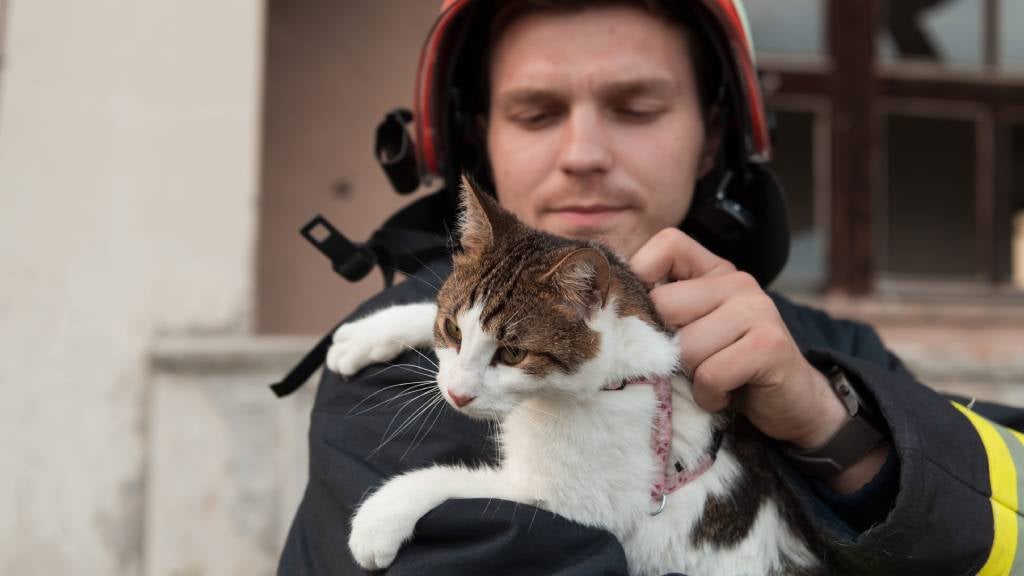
350, 260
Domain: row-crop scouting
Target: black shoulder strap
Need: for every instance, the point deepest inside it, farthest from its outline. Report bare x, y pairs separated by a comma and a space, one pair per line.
406, 243
301, 372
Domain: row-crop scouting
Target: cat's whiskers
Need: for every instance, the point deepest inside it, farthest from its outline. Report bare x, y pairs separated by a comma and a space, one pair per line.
417, 439
408, 422
411, 367
428, 268
423, 410
416, 350
413, 387
388, 435
532, 519
414, 277
451, 239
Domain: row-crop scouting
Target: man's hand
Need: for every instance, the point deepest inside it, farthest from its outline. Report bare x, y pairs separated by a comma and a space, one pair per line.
736, 348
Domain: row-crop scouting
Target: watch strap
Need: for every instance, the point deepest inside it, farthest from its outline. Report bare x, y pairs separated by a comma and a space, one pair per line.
855, 438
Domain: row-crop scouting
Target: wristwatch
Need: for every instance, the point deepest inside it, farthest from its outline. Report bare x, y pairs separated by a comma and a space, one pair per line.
861, 432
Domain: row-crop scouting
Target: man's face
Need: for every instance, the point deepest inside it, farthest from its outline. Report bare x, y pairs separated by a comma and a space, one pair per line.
595, 127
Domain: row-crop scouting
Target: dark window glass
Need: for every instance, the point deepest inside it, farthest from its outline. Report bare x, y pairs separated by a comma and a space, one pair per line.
929, 218
1017, 204
795, 158
1017, 170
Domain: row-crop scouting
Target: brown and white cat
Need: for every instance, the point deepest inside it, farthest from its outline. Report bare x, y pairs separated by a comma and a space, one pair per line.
558, 340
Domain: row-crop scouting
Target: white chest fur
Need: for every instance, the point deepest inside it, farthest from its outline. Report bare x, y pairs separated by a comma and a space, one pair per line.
594, 464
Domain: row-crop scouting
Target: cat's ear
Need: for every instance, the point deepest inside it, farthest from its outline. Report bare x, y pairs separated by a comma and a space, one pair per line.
482, 218
583, 277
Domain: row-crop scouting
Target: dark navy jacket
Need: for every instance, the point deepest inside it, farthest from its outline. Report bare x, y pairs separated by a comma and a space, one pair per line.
944, 503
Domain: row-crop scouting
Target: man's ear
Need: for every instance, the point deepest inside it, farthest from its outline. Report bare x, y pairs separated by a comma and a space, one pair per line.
482, 218
714, 133
583, 277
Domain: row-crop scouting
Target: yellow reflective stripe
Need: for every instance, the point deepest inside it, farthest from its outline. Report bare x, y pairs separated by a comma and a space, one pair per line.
1016, 448
1003, 477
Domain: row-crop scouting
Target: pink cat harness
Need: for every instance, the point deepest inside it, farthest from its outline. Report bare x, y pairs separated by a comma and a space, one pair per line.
661, 440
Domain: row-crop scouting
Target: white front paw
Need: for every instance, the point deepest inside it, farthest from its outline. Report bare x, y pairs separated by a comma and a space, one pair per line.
376, 535
359, 344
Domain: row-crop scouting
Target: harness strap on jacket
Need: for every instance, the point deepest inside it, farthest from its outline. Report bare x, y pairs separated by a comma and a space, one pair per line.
301, 372
394, 247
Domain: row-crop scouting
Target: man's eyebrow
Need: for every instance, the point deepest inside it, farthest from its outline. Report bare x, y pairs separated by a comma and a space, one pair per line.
526, 95
639, 86
654, 85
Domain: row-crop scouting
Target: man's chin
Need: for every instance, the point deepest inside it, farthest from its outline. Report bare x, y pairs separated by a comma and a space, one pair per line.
622, 242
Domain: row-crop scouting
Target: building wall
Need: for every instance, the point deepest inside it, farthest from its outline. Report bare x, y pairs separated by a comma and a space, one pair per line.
333, 70
129, 142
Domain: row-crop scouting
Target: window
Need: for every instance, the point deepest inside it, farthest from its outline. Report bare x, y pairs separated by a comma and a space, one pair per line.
1017, 203
801, 158
925, 166
928, 225
789, 27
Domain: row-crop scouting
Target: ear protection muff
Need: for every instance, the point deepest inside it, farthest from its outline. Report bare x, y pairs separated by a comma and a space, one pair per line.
396, 153
729, 223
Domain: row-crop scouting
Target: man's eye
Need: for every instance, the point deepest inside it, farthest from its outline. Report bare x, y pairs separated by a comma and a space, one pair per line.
534, 118
638, 114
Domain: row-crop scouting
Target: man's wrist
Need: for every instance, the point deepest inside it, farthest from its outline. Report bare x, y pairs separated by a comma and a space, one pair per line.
843, 446
829, 415
861, 472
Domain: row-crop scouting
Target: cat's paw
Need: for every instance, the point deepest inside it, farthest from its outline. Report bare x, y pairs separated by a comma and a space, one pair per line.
381, 337
377, 535
359, 344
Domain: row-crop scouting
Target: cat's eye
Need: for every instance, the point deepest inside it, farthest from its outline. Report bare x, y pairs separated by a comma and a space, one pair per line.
511, 356
452, 331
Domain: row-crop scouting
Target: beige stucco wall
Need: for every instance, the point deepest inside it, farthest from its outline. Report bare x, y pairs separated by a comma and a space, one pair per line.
128, 162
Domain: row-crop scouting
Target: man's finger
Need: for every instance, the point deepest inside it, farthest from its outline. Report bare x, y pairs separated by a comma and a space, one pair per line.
716, 379
706, 336
680, 303
672, 255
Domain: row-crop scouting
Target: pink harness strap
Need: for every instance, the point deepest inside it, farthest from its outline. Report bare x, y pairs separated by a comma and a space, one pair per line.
669, 480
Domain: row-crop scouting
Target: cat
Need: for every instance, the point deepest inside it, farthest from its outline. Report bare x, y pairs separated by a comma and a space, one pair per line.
558, 340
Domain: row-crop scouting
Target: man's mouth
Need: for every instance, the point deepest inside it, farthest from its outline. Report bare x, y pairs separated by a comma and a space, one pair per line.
585, 217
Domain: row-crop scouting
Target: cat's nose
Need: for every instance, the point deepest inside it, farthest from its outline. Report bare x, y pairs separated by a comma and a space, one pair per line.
460, 401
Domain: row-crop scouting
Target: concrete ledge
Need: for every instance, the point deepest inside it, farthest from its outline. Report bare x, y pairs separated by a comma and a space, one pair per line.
227, 460
228, 354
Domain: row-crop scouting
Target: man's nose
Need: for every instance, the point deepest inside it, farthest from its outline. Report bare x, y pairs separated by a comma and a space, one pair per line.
585, 148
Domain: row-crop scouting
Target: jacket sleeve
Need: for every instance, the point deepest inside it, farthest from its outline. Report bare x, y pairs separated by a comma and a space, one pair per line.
386, 420
955, 507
